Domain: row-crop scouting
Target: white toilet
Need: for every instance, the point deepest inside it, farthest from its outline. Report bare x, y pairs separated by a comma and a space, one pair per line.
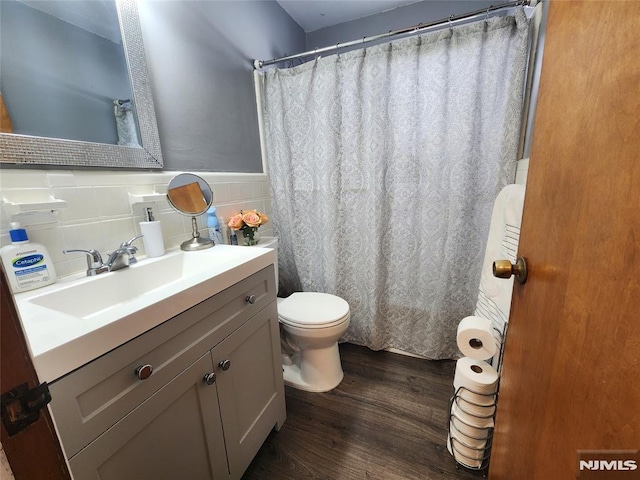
312, 323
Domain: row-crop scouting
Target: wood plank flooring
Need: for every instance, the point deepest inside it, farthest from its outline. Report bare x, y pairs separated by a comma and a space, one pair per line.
387, 420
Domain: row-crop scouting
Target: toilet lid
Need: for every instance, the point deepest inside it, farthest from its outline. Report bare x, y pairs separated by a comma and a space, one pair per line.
312, 309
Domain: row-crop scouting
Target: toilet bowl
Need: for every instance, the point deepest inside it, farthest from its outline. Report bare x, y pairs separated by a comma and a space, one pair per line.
311, 324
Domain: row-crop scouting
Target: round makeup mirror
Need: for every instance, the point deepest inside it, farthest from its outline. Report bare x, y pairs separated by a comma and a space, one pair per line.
191, 195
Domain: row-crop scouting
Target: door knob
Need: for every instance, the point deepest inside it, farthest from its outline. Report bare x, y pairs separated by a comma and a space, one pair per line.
225, 364
504, 269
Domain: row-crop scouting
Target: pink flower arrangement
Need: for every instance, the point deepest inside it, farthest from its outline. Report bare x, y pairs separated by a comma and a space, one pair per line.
248, 221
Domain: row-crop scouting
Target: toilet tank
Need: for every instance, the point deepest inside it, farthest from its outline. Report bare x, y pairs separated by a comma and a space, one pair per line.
271, 242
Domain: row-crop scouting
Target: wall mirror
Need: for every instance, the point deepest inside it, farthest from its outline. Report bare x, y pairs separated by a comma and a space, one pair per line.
190, 195
124, 134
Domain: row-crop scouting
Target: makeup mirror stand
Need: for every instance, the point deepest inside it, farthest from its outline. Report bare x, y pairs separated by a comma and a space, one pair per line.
196, 242
191, 195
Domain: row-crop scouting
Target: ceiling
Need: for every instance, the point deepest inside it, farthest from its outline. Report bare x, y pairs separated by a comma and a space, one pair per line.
313, 15
96, 16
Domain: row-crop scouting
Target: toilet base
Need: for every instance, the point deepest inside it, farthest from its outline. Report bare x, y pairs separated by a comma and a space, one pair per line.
314, 370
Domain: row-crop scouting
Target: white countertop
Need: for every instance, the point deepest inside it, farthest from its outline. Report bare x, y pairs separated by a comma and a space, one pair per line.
63, 339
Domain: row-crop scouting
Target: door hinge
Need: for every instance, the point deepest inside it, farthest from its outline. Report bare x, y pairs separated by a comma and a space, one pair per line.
21, 406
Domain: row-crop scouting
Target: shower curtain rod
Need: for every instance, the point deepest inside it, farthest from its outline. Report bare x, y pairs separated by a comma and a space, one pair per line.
257, 64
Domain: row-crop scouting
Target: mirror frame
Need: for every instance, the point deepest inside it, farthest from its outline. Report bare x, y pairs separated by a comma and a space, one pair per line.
33, 150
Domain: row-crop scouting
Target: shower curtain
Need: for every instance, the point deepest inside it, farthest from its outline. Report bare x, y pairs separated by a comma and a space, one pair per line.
384, 164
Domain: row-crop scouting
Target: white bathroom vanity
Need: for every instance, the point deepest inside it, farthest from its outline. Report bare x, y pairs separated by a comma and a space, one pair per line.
168, 369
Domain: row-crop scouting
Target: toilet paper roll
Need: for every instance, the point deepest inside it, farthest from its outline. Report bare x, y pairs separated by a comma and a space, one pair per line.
475, 338
474, 410
476, 375
476, 382
466, 455
471, 442
471, 425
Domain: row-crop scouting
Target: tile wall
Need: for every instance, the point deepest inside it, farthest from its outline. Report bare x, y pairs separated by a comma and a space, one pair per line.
99, 213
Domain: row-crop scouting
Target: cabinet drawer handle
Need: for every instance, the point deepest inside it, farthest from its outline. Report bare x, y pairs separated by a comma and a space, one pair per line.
251, 299
210, 378
144, 371
225, 364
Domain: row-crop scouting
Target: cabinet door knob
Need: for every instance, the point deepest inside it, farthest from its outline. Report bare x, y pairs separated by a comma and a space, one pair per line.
210, 378
225, 364
251, 299
144, 371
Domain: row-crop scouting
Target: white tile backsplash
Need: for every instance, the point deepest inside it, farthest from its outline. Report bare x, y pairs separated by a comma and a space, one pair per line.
81, 203
99, 214
221, 192
112, 201
29, 178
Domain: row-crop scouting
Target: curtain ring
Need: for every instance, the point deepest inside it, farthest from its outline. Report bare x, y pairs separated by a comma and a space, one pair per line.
486, 14
338, 48
315, 52
451, 22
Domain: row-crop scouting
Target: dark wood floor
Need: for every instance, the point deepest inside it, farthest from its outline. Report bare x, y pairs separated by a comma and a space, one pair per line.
387, 420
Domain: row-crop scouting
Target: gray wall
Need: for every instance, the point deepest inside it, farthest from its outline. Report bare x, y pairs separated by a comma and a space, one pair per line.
199, 55
200, 58
59, 80
398, 18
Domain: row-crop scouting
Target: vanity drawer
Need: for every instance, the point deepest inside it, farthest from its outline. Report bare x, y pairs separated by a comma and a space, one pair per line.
88, 401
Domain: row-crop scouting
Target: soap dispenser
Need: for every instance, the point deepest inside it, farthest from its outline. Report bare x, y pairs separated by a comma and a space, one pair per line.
27, 265
152, 235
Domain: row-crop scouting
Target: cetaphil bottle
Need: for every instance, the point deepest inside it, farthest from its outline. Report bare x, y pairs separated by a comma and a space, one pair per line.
26, 264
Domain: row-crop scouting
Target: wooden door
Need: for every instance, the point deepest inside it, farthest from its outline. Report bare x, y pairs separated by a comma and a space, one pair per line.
571, 376
38, 440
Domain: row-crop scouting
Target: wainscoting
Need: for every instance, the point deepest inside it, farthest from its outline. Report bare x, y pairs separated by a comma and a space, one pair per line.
387, 420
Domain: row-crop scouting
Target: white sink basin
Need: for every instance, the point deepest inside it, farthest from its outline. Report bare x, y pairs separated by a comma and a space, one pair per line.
90, 297
80, 318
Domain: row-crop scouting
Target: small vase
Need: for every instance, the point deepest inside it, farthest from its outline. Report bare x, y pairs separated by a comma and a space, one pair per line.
250, 235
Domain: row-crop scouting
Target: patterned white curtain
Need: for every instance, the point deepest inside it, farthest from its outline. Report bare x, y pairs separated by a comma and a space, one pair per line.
384, 164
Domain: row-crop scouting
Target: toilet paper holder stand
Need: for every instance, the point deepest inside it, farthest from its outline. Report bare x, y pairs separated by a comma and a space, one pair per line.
480, 461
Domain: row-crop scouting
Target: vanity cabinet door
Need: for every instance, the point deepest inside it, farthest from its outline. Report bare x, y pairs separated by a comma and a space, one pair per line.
175, 434
250, 387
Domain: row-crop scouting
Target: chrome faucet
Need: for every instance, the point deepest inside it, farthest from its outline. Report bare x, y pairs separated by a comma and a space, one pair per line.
120, 258
123, 256
94, 261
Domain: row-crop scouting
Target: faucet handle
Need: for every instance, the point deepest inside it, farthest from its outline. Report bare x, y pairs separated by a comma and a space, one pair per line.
129, 242
130, 250
94, 260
